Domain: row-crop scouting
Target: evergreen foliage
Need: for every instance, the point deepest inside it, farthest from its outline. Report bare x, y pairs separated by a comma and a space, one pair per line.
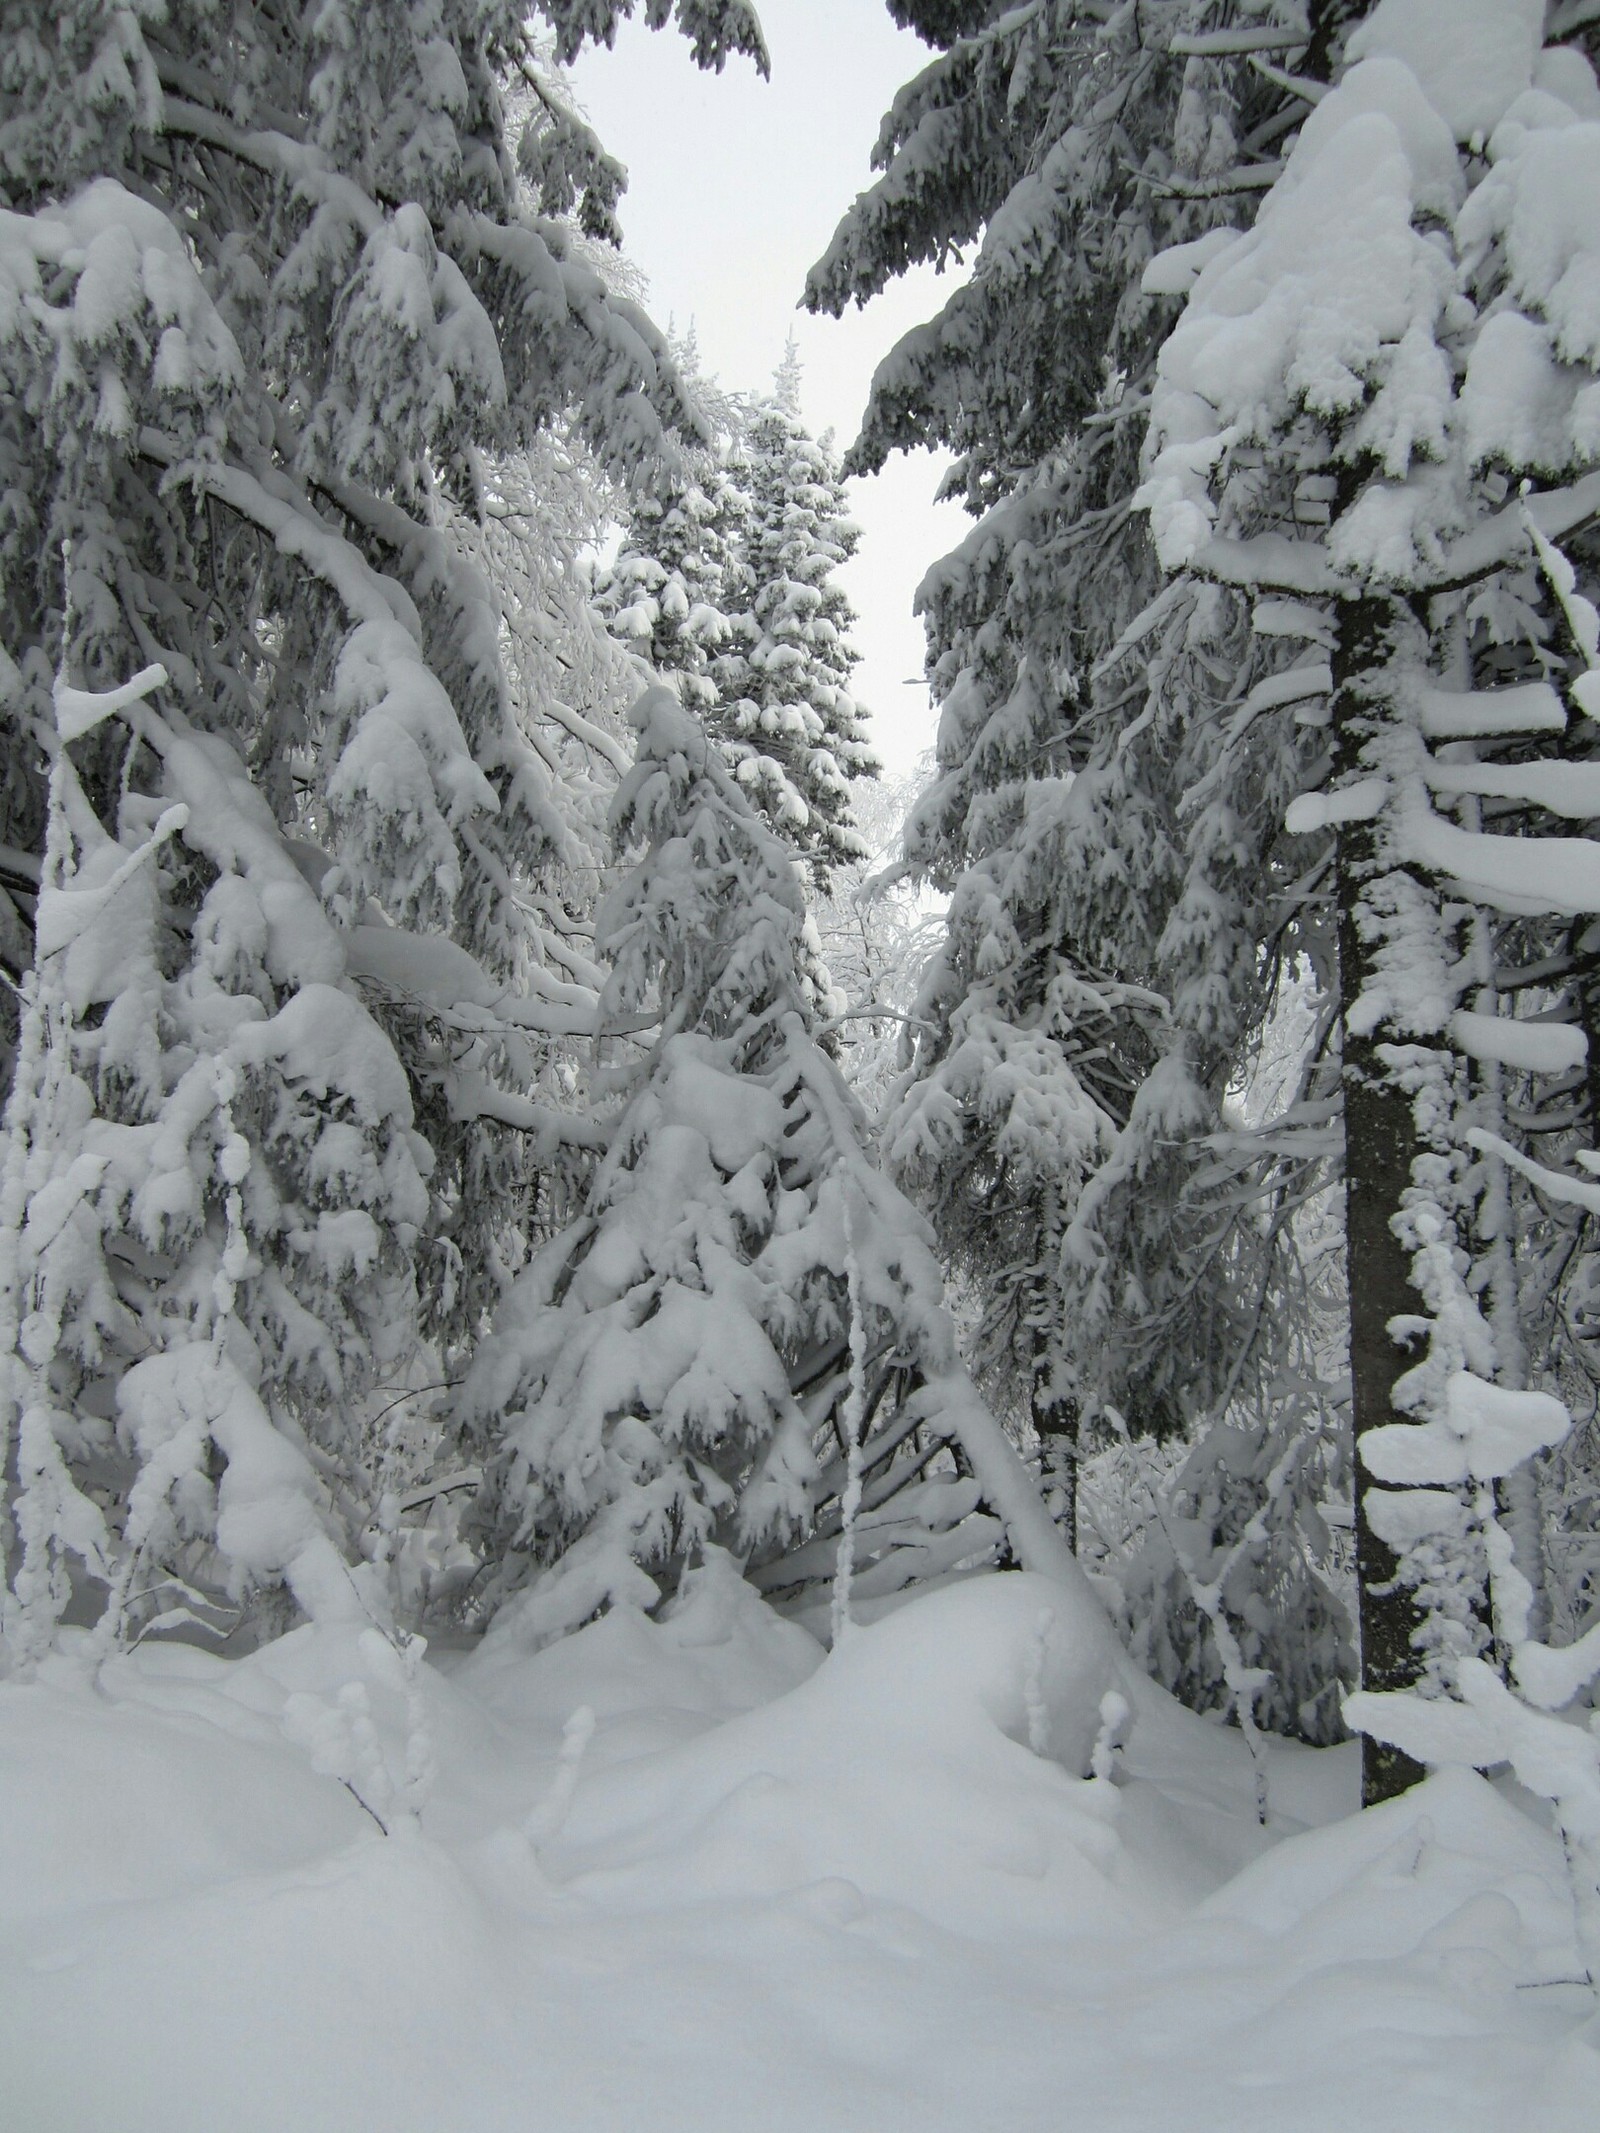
397, 1013
280, 330
793, 733
1121, 909
1411, 355
725, 580
740, 1341
678, 574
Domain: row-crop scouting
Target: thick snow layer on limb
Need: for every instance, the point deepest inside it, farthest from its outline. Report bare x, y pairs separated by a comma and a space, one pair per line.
1293, 618
1550, 1676
271, 1516
435, 971
98, 920
1360, 299
1174, 271
1556, 1184
1012, 1074
1535, 203
1569, 789
327, 1041
1555, 1758
1471, 57
1530, 1047
1292, 687
1528, 873
127, 267
231, 824
381, 681
1331, 290
1401, 1518
1314, 811
1486, 1431
79, 711
1480, 714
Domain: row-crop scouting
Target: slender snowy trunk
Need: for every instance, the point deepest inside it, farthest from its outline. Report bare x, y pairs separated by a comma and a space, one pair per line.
1516, 1494
1055, 1422
1381, 1145
855, 1422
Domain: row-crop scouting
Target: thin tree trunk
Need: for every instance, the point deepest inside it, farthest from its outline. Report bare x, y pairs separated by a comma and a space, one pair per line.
1055, 1422
1381, 1144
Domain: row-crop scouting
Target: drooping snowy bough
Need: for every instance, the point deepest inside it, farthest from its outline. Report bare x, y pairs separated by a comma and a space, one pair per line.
1129, 926
284, 332
741, 1341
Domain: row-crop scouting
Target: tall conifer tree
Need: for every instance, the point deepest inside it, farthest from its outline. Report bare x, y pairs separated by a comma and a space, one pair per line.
273, 300
788, 723
1103, 978
740, 1341
1404, 397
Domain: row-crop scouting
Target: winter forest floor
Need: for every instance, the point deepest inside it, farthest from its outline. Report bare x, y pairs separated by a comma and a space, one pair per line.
774, 1890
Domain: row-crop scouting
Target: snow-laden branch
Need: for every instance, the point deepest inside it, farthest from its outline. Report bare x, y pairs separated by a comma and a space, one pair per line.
269, 500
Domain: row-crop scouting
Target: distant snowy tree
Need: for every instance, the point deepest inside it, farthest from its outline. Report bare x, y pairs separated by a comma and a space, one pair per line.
677, 576
740, 1340
790, 727
274, 302
876, 930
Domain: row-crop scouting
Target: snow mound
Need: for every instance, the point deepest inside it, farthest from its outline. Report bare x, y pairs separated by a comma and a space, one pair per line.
652, 1681
108, 1803
688, 1873
902, 1769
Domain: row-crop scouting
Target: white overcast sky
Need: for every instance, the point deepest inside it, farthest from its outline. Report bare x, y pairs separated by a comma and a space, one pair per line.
736, 186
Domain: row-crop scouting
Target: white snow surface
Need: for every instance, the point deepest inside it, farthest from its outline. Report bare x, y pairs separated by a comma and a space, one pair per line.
692, 1873
1472, 57
1370, 262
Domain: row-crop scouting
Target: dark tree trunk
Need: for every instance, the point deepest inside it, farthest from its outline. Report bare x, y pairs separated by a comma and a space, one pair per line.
1055, 1421
1381, 1143
1329, 21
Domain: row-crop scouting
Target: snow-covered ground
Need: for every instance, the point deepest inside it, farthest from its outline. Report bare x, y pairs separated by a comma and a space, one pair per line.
695, 1875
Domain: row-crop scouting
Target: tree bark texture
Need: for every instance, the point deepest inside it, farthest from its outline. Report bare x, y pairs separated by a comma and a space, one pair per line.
1381, 1144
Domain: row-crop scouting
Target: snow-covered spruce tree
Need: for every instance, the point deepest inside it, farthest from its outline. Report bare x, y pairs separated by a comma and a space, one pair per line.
270, 291
676, 575
1112, 946
212, 1194
740, 1341
1085, 142
787, 722
1400, 342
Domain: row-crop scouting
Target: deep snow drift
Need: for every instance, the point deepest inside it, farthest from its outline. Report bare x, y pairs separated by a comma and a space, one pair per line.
695, 1874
